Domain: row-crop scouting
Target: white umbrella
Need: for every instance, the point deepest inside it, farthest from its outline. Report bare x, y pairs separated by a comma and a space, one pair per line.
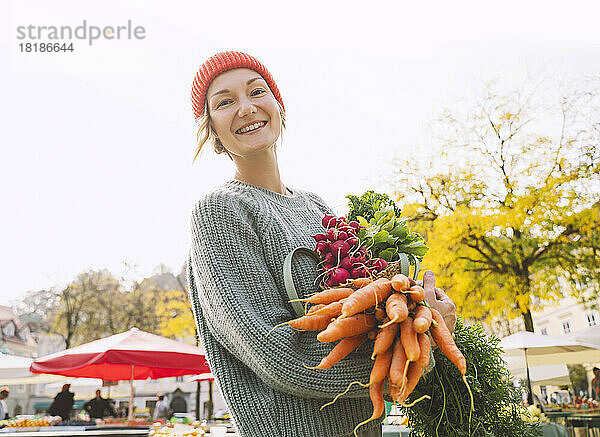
14, 370
540, 350
555, 374
12, 366
85, 388
590, 335
202, 377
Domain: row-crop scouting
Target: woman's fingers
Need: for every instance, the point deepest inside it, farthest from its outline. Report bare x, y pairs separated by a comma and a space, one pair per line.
429, 286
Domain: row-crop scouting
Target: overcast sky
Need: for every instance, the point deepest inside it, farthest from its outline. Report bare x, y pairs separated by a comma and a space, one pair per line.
97, 144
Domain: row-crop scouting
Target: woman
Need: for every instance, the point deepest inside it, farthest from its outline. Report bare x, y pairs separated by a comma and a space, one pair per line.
241, 233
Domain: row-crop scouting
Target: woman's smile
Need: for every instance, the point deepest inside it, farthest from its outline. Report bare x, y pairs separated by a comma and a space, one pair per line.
251, 128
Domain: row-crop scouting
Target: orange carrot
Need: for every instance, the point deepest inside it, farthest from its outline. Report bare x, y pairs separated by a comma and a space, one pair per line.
396, 374
409, 340
360, 282
400, 282
396, 309
315, 308
381, 367
425, 347
340, 351
385, 339
376, 395
348, 327
333, 309
372, 334
417, 293
327, 296
422, 320
366, 297
415, 369
310, 322
445, 342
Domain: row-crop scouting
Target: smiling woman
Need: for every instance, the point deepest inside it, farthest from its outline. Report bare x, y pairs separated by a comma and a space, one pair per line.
242, 232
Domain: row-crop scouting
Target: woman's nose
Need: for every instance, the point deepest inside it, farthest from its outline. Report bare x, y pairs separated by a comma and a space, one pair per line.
246, 108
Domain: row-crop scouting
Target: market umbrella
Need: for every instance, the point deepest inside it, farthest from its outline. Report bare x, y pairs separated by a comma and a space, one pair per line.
589, 335
540, 350
130, 355
202, 377
14, 370
554, 374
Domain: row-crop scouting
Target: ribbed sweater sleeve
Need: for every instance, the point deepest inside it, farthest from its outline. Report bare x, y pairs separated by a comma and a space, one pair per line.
236, 287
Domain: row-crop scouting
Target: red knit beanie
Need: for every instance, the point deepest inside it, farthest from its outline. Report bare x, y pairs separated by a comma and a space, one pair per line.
220, 63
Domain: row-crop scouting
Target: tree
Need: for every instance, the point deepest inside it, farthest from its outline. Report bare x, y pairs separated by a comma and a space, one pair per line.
82, 311
508, 199
175, 314
96, 304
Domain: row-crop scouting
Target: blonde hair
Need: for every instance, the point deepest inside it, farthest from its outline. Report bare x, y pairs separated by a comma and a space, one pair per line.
206, 134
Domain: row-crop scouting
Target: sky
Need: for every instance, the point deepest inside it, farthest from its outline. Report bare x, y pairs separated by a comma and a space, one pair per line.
97, 144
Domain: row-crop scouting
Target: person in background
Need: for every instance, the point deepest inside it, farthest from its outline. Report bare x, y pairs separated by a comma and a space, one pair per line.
161, 410
99, 407
596, 384
4, 391
63, 403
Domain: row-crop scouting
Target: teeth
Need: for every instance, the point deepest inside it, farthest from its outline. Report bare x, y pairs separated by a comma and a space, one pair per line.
251, 127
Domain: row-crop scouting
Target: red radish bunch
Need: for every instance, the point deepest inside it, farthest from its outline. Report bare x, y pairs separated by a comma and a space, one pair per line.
342, 256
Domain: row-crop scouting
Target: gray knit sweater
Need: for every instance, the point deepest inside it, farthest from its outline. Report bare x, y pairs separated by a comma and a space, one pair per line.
241, 234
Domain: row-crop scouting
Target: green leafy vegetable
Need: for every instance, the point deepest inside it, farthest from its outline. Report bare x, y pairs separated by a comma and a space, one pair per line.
499, 411
367, 204
385, 233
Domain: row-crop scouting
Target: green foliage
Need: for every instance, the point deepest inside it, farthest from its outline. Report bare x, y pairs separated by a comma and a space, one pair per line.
578, 377
367, 204
385, 234
498, 408
510, 207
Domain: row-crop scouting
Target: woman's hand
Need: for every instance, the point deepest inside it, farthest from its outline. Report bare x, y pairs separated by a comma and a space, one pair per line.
439, 300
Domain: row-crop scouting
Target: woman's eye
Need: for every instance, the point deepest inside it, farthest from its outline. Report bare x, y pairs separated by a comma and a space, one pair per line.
257, 92
223, 102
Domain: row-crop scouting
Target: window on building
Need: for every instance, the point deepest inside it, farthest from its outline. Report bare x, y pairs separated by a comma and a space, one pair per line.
592, 318
566, 325
9, 329
544, 330
179, 379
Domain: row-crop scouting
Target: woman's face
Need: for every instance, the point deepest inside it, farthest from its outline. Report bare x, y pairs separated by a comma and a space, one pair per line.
243, 112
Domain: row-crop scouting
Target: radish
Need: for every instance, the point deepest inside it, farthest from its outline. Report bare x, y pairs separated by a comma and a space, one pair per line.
319, 237
329, 258
329, 282
352, 241
346, 263
359, 272
322, 246
329, 220
340, 248
343, 235
340, 276
379, 264
328, 266
355, 225
331, 234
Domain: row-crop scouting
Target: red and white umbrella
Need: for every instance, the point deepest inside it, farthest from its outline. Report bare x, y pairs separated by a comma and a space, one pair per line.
202, 377
130, 355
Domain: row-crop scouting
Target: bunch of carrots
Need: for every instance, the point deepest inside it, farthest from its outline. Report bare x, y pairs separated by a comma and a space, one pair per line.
393, 314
